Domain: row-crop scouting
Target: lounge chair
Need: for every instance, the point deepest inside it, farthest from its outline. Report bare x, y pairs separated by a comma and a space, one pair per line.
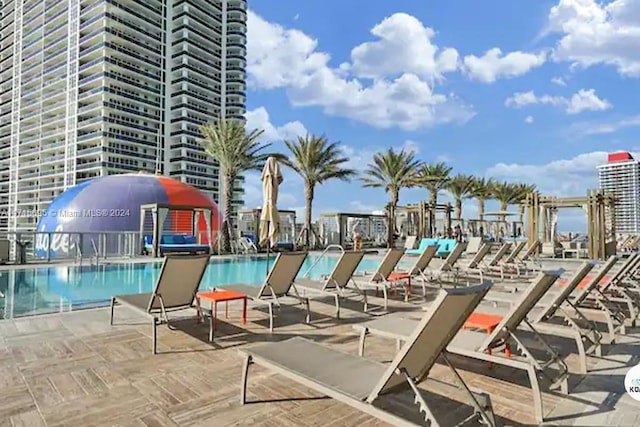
410, 242
625, 280
528, 260
479, 345
417, 270
513, 255
365, 384
175, 289
277, 285
473, 265
336, 283
447, 268
421, 247
579, 328
494, 265
473, 245
608, 298
379, 279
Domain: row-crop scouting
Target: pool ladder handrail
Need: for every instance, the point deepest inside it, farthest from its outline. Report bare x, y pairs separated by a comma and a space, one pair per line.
78, 258
95, 250
333, 246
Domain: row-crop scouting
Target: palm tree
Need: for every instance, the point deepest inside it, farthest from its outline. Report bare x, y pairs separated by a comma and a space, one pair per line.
236, 151
523, 191
316, 160
481, 191
393, 171
460, 187
506, 194
434, 177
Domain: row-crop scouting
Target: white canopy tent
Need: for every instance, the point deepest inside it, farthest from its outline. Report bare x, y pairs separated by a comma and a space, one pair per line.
159, 213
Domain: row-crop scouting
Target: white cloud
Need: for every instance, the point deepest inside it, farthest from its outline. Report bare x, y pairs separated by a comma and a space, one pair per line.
408, 42
603, 128
586, 100
360, 158
583, 100
277, 57
567, 177
558, 81
410, 145
259, 119
561, 178
521, 99
288, 58
357, 206
443, 158
494, 65
253, 193
529, 119
595, 32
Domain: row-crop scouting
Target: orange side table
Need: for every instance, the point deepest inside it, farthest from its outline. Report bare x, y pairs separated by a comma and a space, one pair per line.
488, 322
396, 277
214, 297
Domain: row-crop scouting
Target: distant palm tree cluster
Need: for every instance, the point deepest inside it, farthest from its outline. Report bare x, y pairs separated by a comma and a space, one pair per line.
317, 160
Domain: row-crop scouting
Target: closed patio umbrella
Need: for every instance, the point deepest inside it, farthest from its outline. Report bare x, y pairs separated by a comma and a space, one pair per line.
269, 217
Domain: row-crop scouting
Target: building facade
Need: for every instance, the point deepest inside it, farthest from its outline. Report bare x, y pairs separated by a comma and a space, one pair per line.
94, 87
621, 176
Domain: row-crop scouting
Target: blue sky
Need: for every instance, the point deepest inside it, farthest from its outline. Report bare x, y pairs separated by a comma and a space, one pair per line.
529, 91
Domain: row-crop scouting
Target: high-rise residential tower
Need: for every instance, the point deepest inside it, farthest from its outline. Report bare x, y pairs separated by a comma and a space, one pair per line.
621, 176
97, 87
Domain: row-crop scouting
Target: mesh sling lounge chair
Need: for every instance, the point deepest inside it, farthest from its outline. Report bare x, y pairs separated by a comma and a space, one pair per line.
528, 260
410, 242
621, 290
278, 284
513, 255
448, 267
473, 245
336, 283
597, 299
494, 265
474, 263
379, 279
559, 302
479, 345
364, 384
578, 327
418, 270
175, 289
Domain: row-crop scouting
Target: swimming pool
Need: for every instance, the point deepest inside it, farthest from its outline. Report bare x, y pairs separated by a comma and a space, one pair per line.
34, 291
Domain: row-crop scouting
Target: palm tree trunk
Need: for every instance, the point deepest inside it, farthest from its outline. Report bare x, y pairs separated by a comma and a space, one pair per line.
308, 196
229, 180
391, 229
481, 209
521, 209
459, 209
503, 207
433, 201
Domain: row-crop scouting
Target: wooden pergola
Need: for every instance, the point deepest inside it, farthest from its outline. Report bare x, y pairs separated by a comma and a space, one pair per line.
598, 205
426, 215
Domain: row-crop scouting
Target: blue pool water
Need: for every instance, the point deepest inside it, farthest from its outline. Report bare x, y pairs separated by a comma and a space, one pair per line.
53, 289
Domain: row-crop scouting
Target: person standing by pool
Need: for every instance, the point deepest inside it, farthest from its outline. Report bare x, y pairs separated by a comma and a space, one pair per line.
357, 236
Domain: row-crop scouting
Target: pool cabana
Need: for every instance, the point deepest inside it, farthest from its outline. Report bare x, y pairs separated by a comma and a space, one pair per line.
160, 212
